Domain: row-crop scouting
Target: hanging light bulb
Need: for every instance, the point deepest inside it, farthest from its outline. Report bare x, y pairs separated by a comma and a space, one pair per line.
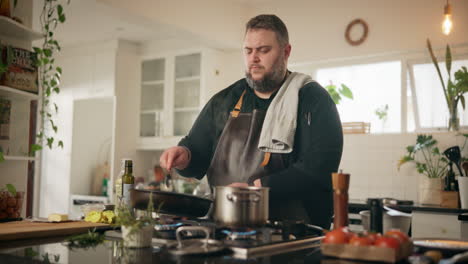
447, 24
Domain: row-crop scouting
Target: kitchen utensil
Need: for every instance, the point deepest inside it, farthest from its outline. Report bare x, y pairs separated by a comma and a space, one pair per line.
340, 183
454, 155
168, 183
458, 258
171, 203
195, 246
241, 206
446, 245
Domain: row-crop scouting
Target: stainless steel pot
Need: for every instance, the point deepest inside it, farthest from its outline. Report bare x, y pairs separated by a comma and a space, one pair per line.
241, 206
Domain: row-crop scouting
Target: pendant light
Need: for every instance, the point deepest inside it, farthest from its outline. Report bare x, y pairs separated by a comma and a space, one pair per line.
447, 23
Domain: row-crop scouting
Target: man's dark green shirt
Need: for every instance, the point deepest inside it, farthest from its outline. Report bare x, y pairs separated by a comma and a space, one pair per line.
318, 145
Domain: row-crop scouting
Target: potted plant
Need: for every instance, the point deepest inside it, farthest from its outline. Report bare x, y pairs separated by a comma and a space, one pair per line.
382, 114
455, 89
431, 164
137, 232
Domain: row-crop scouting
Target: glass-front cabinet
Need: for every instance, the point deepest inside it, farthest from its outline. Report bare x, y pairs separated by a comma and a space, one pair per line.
174, 88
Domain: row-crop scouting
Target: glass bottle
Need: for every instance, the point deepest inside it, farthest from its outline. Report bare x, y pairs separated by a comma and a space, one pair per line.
118, 183
128, 182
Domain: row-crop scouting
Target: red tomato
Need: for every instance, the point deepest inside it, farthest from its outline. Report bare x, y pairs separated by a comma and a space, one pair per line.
348, 232
360, 241
388, 242
372, 236
398, 235
336, 236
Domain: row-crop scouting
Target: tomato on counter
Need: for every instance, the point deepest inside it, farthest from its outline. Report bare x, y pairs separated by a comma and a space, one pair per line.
360, 241
337, 236
402, 237
388, 242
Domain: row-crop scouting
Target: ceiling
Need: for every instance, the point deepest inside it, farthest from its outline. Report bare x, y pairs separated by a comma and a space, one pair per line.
90, 22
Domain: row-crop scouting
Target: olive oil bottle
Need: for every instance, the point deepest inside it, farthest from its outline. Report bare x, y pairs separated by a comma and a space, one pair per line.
128, 182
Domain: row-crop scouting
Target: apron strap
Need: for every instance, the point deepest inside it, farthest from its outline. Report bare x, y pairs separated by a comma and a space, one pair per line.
266, 159
237, 108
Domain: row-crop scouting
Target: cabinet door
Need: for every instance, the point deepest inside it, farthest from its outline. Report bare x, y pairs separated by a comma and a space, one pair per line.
186, 92
152, 97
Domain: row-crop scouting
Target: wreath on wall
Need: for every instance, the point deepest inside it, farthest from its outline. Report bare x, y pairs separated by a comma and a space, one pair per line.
362, 38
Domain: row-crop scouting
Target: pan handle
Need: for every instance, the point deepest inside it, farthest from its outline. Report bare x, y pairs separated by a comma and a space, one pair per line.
204, 229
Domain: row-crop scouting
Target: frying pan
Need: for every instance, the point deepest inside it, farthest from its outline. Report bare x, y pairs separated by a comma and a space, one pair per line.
171, 203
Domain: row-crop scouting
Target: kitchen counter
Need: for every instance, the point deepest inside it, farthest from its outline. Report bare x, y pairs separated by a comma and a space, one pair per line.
355, 206
111, 251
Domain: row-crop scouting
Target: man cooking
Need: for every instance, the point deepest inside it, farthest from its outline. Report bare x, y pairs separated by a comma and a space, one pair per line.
273, 128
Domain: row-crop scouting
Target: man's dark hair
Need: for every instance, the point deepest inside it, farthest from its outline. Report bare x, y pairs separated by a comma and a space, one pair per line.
270, 22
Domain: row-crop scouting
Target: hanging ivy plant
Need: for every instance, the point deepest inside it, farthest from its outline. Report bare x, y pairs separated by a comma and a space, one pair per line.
49, 74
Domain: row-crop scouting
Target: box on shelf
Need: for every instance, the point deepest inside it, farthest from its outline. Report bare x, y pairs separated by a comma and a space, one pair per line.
356, 128
21, 70
5, 110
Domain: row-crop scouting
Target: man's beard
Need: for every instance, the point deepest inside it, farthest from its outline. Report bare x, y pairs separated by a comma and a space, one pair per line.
271, 81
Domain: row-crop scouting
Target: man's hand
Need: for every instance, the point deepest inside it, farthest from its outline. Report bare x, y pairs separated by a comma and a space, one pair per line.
175, 157
257, 183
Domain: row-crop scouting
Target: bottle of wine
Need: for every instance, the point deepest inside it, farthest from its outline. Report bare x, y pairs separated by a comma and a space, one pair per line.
128, 182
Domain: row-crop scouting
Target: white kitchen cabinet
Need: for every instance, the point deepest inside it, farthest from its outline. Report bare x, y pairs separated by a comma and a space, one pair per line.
18, 168
435, 224
174, 88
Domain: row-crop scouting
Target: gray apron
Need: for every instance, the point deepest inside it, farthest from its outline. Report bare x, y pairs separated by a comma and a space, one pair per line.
237, 159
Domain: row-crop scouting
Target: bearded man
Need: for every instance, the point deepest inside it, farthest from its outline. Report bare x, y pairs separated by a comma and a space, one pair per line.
273, 128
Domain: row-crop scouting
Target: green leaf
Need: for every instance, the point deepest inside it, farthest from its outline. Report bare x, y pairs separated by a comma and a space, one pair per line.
56, 108
60, 143
59, 10
37, 50
436, 64
50, 141
29, 252
15, 2
345, 91
59, 70
62, 18
2, 158
34, 148
54, 127
462, 100
11, 189
448, 60
47, 52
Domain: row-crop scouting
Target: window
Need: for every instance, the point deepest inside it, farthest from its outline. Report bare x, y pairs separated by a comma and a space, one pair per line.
431, 107
374, 86
407, 82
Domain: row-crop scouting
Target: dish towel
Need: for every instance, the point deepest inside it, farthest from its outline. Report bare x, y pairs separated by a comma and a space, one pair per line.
280, 122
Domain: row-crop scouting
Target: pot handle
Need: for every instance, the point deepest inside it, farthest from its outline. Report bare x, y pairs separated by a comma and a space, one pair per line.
238, 197
204, 229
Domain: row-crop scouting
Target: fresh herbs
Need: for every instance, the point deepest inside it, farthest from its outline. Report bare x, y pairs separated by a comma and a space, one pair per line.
85, 241
126, 217
427, 157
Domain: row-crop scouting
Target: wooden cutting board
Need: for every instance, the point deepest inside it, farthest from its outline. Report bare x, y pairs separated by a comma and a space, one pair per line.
27, 229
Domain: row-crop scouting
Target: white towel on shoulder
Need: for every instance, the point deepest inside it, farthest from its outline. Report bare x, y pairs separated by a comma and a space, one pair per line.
279, 126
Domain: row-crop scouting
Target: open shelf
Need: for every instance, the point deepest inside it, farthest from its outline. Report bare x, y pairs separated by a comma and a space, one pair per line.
20, 158
13, 93
14, 29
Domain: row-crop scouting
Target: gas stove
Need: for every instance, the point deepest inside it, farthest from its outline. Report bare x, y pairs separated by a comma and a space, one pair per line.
272, 238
